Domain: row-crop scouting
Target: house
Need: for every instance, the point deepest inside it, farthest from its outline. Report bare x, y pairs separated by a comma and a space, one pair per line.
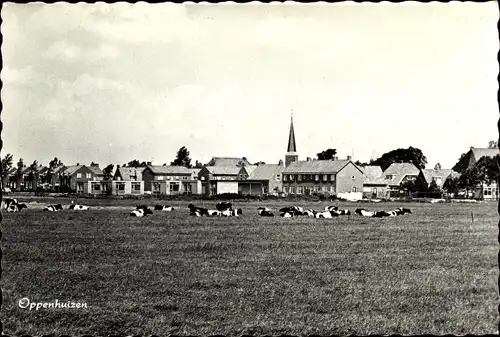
76, 178
439, 176
170, 180
399, 173
483, 191
127, 180
374, 184
194, 173
219, 179
262, 179
332, 176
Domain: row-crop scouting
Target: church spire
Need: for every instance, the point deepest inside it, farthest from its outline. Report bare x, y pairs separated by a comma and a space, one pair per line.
291, 138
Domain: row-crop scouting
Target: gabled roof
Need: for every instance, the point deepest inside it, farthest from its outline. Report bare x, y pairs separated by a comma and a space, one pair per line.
429, 174
71, 169
266, 172
228, 161
129, 173
372, 171
318, 166
158, 169
248, 169
43, 170
223, 170
479, 152
96, 170
399, 171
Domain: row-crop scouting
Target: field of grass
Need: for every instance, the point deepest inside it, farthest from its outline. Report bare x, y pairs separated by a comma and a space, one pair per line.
430, 272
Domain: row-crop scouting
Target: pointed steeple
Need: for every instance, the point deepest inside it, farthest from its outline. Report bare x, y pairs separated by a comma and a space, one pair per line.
291, 138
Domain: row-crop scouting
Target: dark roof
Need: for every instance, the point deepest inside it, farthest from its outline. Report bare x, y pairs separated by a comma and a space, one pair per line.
130, 173
399, 171
317, 166
228, 161
292, 147
96, 170
223, 170
158, 169
429, 174
266, 172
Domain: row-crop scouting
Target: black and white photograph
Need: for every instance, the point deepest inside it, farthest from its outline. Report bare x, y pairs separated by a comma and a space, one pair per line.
198, 169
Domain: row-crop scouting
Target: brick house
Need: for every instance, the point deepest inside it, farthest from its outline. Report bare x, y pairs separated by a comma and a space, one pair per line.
170, 180
77, 178
328, 176
262, 179
399, 173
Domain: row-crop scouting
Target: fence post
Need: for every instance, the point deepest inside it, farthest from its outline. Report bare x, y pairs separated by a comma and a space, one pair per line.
472, 215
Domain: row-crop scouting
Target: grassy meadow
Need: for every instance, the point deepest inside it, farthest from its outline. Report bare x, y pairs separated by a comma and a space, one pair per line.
430, 272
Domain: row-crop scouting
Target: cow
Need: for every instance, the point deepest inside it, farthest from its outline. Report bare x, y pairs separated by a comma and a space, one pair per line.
364, 212
308, 212
293, 210
78, 207
144, 207
213, 212
264, 211
287, 215
237, 211
331, 208
223, 205
16, 207
164, 208
325, 214
197, 211
140, 212
8, 202
403, 210
53, 208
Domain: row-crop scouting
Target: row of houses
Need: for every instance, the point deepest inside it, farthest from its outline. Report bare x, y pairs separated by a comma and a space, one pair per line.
238, 176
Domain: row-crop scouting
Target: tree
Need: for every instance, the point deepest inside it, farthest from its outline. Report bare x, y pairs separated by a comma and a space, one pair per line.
19, 172
328, 154
409, 155
433, 187
54, 164
198, 164
438, 166
6, 166
108, 171
133, 163
452, 185
92, 164
487, 170
470, 178
412, 186
492, 144
182, 158
462, 164
260, 163
34, 174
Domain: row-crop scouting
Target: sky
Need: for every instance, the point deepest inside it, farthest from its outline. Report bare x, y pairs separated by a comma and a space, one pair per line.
115, 82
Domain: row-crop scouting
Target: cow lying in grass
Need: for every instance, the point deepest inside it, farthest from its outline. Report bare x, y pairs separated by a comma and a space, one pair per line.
264, 211
78, 207
224, 205
164, 208
53, 208
141, 210
16, 208
197, 211
382, 214
7, 202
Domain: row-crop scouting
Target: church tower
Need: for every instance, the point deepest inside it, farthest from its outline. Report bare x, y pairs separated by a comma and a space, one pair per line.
291, 154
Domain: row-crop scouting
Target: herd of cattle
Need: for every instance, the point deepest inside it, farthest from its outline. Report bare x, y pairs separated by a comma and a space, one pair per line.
225, 209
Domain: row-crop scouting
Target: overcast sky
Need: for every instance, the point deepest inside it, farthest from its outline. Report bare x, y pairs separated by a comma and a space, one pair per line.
112, 83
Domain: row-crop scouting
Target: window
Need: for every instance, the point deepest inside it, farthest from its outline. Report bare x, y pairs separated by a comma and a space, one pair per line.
89, 175
487, 191
78, 175
389, 177
136, 187
292, 190
332, 177
187, 187
96, 187
185, 178
374, 190
174, 187
316, 177
316, 188
278, 177
159, 178
324, 188
202, 177
332, 189
156, 187
285, 189
291, 177
325, 177
120, 187
354, 189
300, 190
353, 177
299, 177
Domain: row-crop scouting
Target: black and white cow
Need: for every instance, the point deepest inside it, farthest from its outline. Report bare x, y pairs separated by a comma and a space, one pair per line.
223, 205
8, 202
164, 208
325, 214
264, 211
53, 208
331, 208
16, 207
78, 207
402, 211
197, 211
292, 211
364, 212
140, 212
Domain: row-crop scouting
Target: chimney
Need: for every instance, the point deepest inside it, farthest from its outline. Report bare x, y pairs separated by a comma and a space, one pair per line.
472, 147
348, 157
148, 163
280, 163
309, 159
